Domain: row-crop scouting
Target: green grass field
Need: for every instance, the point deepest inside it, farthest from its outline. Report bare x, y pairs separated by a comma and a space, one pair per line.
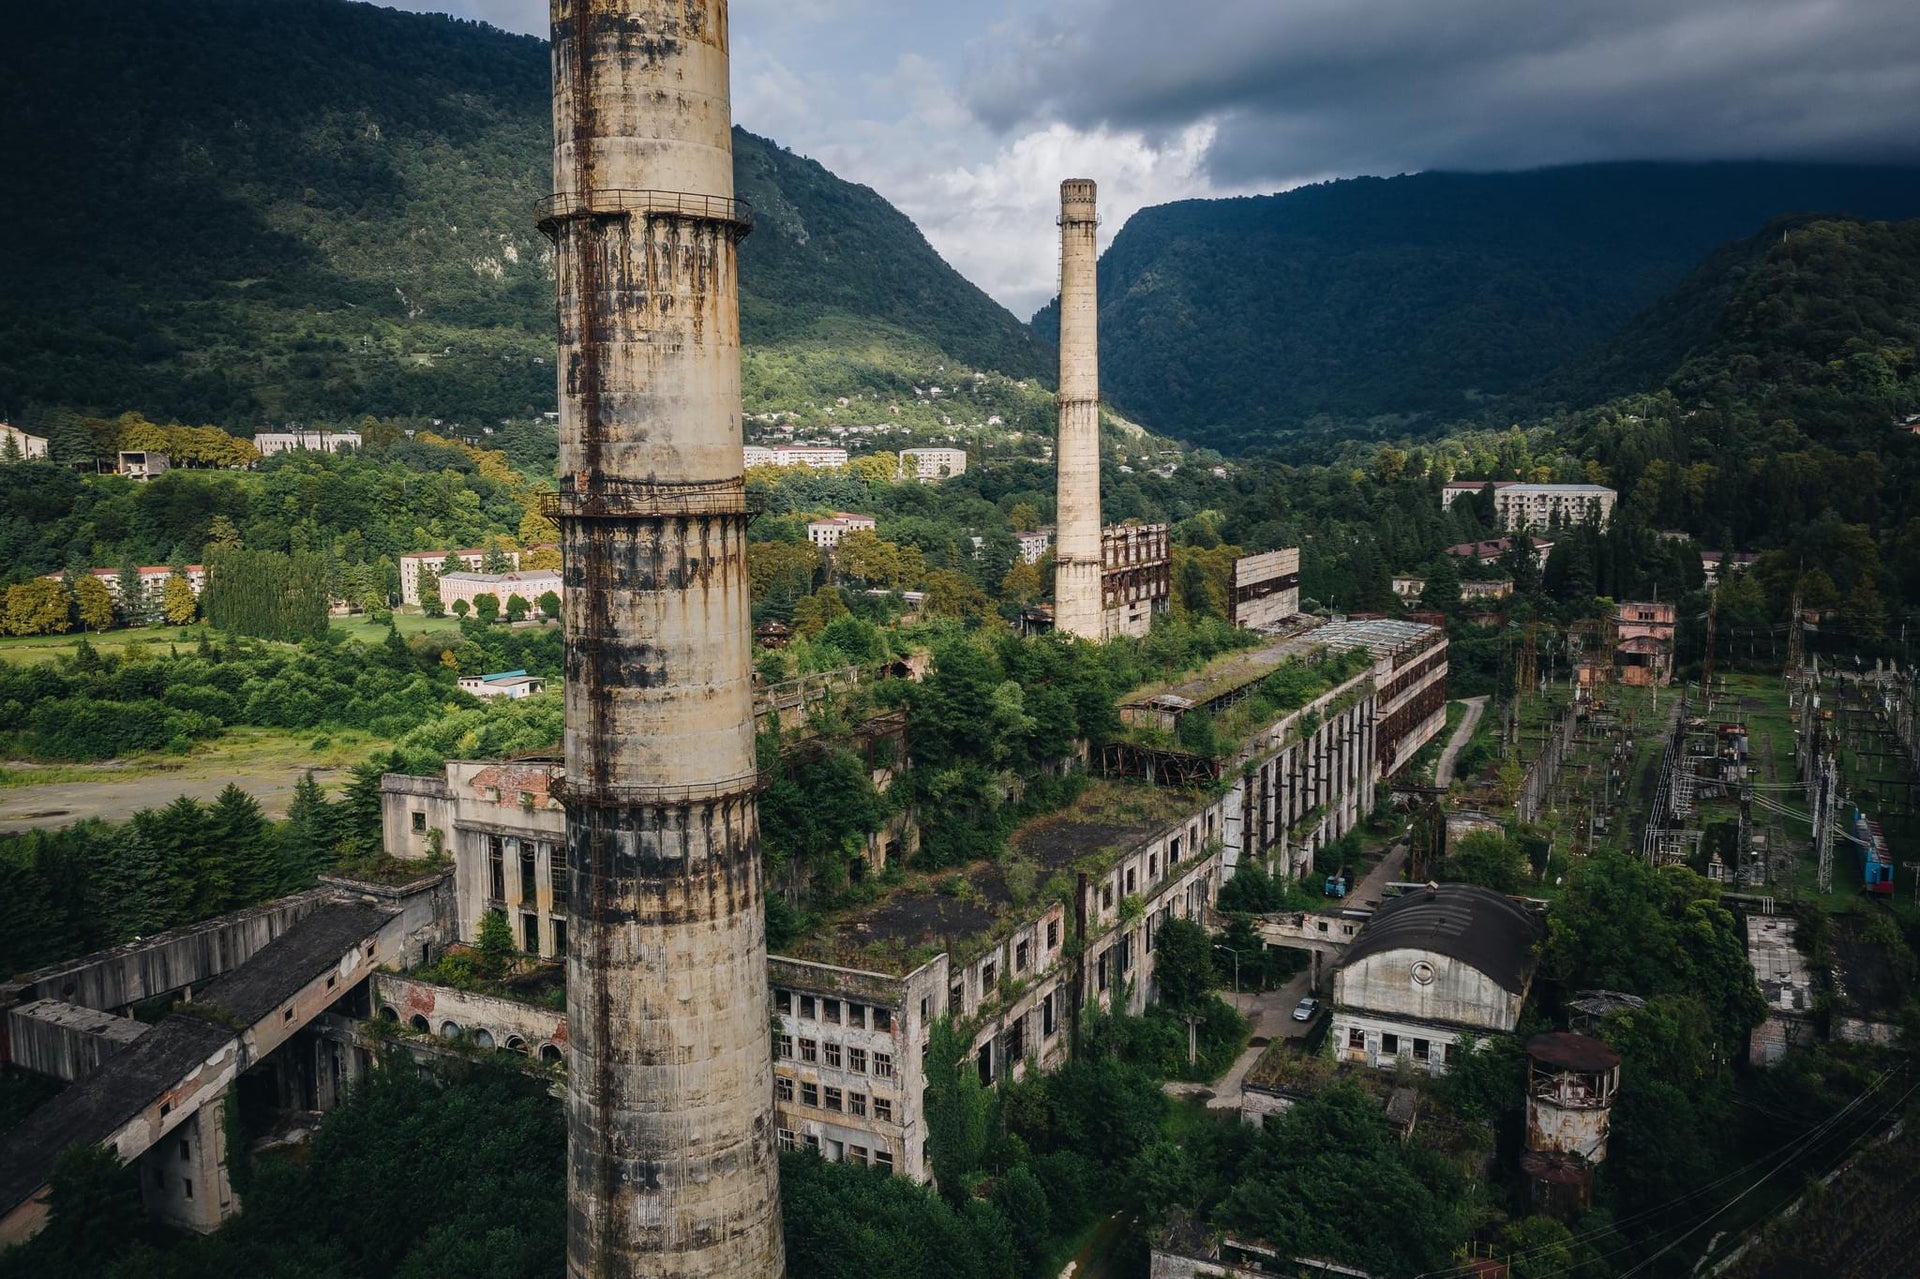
29, 649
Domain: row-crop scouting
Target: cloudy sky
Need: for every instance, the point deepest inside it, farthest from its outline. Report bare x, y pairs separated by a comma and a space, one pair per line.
966, 113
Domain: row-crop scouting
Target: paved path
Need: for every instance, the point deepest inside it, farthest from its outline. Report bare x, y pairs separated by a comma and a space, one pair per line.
1271, 1011
1443, 772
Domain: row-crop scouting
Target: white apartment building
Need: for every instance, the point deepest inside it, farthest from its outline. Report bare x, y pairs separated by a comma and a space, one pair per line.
931, 465
529, 586
412, 562
1034, 544
1523, 506
820, 457
826, 534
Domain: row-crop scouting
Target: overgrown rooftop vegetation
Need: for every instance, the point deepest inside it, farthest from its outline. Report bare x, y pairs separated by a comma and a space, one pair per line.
898, 921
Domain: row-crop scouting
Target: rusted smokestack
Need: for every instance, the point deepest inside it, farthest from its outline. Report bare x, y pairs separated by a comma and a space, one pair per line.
1077, 605
670, 1164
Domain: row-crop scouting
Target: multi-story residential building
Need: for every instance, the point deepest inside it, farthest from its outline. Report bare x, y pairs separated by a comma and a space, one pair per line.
826, 533
17, 444
820, 457
1523, 506
271, 442
529, 586
1034, 543
412, 562
153, 581
931, 465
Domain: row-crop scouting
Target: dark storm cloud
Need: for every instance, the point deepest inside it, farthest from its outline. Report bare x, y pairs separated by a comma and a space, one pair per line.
1303, 87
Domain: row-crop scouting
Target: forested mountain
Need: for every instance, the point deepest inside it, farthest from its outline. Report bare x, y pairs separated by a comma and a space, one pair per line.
249, 211
1251, 322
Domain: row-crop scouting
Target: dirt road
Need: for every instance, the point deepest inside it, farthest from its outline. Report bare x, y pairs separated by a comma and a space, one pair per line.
63, 803
1443, 771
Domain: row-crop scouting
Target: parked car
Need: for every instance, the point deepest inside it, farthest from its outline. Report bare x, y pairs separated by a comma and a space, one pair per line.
1306, 1009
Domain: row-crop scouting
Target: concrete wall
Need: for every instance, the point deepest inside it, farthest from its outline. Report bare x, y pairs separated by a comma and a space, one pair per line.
1265, 589
65, 1041
540, 1033
1443, 1042
1388, 984
167, 963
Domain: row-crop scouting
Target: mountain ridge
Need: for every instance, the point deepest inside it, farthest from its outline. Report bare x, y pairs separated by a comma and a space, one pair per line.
1380, 305
272, 210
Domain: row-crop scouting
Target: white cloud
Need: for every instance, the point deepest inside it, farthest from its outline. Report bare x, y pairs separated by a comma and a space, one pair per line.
967, 113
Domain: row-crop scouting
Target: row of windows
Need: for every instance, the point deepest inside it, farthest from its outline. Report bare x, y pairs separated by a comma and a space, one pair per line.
882, 1157
1390, 1045
840, 1100
526, 854
833, 1012
835, 1056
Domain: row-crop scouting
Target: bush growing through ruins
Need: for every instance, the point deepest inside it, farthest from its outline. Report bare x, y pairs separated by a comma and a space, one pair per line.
1487, 858
1183, 969
494, 945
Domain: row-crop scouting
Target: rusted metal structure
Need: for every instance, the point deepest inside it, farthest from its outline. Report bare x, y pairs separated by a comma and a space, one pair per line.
671, 1169
1077, 605
1571, 1083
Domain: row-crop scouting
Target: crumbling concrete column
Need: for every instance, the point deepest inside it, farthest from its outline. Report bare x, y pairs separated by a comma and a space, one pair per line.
1077, 604
671, 1169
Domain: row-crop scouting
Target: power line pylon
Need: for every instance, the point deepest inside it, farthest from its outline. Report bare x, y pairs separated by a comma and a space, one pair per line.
1706, 669
1796, 657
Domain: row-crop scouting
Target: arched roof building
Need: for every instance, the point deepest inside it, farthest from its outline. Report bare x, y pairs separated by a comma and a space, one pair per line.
1430, 967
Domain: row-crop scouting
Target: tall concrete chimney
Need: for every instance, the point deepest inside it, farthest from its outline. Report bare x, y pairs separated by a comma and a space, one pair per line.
1077, 606
671, 1170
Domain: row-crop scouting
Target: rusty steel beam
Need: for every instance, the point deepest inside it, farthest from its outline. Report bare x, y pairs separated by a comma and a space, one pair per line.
671, 1170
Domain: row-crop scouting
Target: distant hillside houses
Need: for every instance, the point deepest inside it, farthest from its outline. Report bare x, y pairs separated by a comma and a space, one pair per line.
410, 565
529, 586
271, 442
17, 446
820, 457
1523, 506
1493, 548
1718, 563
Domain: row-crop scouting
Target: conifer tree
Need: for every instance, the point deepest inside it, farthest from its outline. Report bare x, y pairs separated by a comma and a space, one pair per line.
307, 839
237, 825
